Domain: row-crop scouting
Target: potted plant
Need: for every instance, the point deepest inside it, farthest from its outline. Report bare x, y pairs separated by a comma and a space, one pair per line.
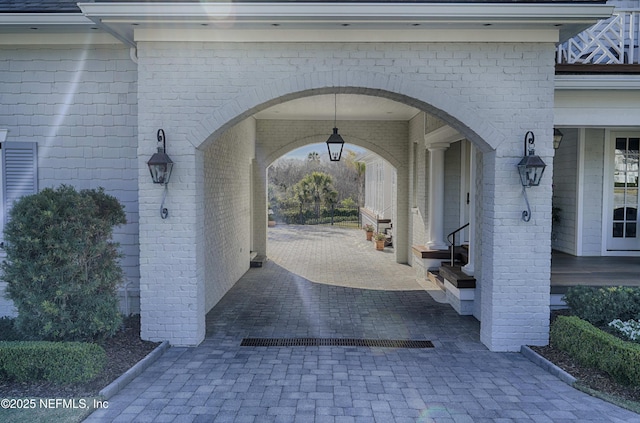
368, 228
272, 219
380, 238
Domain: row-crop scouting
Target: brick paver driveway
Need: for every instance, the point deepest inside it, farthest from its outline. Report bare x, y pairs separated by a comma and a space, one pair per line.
457, 381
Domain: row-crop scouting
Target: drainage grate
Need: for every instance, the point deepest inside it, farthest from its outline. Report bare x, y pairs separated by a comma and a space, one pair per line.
334, 342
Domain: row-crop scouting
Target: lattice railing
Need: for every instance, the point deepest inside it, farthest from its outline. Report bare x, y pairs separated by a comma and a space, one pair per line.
610, 41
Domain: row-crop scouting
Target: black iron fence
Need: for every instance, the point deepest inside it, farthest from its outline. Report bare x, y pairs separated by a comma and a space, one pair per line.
336, 216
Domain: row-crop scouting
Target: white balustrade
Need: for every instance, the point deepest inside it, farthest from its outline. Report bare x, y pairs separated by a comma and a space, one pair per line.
610, 41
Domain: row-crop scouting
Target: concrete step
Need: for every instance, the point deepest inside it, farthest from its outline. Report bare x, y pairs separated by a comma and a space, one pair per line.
434, 276
258, 260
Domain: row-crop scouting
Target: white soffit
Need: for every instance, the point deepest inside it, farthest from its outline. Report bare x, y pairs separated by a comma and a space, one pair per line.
328, 21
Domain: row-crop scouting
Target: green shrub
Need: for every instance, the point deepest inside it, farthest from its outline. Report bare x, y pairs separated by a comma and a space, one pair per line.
8, 330
600, 306
61, 268
595, 348
59, 362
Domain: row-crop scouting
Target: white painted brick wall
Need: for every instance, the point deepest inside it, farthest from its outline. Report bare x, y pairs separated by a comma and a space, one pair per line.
227, 204
492, 93
388, 139
416, 220
79, 105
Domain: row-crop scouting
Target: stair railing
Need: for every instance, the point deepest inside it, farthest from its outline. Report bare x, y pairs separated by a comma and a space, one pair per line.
451, 238
378, 217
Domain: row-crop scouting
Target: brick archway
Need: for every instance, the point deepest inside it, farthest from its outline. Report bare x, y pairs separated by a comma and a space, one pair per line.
474, 94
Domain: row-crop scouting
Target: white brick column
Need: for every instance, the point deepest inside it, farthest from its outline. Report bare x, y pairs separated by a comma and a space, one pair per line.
259, 174
172, 293
401, 228
436, 196
516, 259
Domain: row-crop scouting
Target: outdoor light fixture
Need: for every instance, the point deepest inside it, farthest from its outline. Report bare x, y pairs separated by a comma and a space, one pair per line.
160, 166
557, 138
531, 168
335, 141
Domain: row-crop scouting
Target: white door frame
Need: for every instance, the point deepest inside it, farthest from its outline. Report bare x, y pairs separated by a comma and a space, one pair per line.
607, 203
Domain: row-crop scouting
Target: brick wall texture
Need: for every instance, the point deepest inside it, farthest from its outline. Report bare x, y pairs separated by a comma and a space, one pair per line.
80, 106
491, 92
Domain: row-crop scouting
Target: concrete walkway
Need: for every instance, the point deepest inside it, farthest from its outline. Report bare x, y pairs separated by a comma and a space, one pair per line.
457, 381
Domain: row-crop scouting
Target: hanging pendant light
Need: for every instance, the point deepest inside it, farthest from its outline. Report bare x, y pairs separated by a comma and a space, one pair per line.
335, 141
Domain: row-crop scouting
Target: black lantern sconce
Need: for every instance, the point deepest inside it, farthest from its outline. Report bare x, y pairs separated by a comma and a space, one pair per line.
160, 166
557, 138
531, 168
335, 143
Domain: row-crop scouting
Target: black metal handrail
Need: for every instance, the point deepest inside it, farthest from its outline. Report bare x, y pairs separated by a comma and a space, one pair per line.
453, 243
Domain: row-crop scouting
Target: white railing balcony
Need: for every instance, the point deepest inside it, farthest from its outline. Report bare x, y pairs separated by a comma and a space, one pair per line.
612, 41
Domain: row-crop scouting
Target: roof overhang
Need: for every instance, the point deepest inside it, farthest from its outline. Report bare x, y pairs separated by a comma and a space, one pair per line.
339, 21
322, 21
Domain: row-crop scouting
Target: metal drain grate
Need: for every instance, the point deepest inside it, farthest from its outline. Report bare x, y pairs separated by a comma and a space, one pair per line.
334, 342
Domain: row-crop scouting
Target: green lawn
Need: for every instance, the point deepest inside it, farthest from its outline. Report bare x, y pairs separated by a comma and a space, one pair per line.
47, 410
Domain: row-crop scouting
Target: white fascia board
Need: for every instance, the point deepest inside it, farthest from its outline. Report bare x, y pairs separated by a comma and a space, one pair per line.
346, 35
42, 19
597, 82
70, 38
472, 22
596, 108
449, 12
49, 28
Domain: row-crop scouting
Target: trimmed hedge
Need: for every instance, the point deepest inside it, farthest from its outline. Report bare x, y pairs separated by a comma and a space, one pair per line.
59, 362
595, 348
600, 306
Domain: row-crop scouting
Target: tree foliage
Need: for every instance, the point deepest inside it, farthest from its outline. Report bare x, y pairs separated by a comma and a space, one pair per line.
62, 269
348, 177
316, 188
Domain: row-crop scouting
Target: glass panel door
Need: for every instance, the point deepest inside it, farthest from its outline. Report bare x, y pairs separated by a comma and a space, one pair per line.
624, 204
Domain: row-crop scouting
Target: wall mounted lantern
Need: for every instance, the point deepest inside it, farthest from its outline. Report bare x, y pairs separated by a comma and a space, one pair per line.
160, 166
335, 143
557, 138
531, 168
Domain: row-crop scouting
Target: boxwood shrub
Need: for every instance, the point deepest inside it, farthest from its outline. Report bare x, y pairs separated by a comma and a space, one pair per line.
595, 348
59, 362
600, 306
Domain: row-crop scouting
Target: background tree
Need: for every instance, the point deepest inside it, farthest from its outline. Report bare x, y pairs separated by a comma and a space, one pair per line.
61, 267
318, 188
361, 170
285, 173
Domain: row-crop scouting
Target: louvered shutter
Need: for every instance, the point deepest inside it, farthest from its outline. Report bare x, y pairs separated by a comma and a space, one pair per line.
19, 172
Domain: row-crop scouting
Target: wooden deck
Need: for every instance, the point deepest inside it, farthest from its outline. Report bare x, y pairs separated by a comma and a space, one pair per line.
568, 270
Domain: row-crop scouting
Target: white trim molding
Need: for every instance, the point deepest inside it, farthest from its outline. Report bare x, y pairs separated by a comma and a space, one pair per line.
335, 21
445, 135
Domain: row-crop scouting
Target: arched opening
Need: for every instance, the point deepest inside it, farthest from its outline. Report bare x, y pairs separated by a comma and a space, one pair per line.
317, 212
229, 201
238, 202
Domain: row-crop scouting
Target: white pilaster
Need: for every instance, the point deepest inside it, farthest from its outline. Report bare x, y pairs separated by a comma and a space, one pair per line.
436, 196
469, 267
259, 202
